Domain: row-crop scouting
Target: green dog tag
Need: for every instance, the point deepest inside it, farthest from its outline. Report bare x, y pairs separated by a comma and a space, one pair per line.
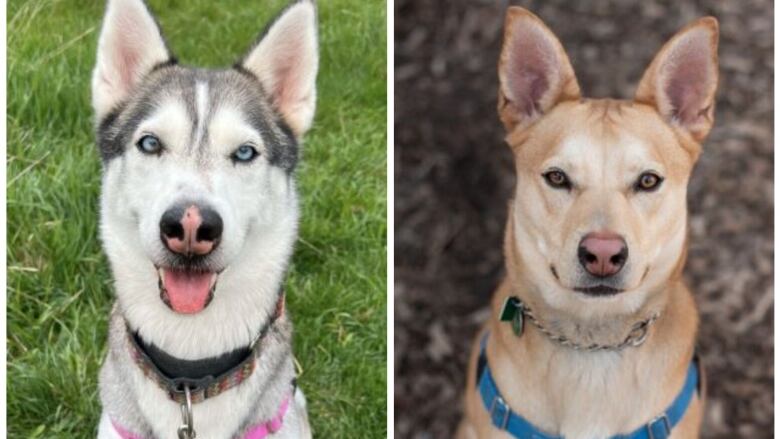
508, 311
517, 323
513, 311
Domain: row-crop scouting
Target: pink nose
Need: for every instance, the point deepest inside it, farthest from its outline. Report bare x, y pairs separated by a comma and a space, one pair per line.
602, 254
190, 230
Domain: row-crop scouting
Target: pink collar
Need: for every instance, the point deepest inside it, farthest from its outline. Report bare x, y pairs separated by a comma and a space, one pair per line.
259, 431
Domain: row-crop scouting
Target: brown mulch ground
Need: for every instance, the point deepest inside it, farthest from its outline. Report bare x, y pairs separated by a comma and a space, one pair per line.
454, 176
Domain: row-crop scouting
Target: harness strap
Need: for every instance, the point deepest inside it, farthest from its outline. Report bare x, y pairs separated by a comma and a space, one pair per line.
123, 432
271, 426
259, 431
502, 416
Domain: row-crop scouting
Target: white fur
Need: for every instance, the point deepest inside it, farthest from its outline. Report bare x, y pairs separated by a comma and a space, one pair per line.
106, 430
202, 103
257, 202
130, 45
286, 62
258, 206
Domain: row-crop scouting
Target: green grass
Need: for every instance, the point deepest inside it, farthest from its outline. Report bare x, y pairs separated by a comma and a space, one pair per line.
59, 289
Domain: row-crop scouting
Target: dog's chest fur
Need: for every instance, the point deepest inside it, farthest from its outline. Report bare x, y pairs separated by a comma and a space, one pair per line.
144, 408
572, 394
569, 392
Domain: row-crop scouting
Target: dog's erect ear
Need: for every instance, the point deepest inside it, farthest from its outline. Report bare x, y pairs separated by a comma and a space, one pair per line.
285, 61
130, 46
681, 81
534, 72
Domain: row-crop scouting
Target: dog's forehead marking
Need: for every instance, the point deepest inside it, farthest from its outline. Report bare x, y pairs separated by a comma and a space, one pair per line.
577, 151
599, 158
638, 154
200, 94
201, 108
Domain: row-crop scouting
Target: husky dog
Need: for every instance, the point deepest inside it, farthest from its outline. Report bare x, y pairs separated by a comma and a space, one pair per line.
199, 215
592, 331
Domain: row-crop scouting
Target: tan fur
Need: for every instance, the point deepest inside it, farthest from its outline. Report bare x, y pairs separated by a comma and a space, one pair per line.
603, 145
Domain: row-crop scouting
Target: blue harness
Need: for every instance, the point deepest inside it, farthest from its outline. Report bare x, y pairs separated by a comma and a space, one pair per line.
502, 416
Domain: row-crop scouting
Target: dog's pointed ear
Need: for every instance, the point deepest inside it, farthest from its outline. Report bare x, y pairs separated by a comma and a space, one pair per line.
285, 61
534, 72
682, 79
129, 47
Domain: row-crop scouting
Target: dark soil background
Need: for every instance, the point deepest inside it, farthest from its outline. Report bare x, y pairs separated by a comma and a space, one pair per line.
453, 178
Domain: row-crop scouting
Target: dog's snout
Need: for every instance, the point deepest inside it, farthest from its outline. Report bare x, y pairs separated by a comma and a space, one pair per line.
602, 254
190, 229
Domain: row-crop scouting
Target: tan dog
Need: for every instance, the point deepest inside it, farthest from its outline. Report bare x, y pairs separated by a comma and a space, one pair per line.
598, 337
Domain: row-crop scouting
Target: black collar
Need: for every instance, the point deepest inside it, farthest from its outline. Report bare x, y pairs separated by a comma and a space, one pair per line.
205, 377
172, 366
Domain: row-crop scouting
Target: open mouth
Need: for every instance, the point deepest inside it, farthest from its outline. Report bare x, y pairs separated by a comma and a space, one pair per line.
598, 290
186, 291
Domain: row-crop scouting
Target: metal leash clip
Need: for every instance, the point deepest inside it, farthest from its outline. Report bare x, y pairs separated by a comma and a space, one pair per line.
187, 430
639, 331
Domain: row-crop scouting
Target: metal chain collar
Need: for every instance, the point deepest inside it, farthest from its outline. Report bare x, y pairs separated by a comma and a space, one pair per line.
636, 336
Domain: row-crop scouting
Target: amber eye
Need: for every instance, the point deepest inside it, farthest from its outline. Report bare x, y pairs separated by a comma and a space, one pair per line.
648, 182
557, 179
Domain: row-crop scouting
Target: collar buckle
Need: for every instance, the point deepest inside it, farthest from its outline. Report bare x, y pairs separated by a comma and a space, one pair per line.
182, 390
500, 417
659, 427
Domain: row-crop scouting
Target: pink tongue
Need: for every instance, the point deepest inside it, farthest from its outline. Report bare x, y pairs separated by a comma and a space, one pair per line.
188, 292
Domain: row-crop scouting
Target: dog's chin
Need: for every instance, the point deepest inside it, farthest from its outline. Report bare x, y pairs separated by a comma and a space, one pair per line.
593, 289
186, 290
598, 291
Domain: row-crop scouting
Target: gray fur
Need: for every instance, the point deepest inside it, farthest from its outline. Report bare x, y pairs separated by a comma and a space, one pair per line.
229, 87
204, 114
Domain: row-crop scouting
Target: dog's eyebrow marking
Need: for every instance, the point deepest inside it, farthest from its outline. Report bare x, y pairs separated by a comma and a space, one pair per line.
201, 106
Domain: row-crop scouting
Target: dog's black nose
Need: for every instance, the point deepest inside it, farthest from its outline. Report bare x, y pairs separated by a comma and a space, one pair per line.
190, 229
602, 254
210, 227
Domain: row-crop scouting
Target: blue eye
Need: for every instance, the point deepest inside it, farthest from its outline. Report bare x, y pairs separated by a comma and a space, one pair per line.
244, 153
149, 144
